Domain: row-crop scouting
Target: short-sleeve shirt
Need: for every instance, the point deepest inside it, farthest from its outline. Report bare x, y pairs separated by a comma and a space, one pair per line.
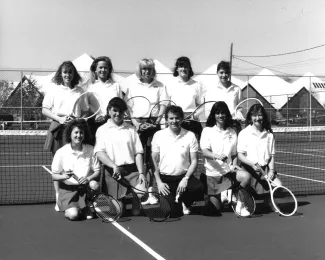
106, 91
120, 143
256, 146
188, 95
218, 142
154, 92
82, 163
231, 96
174, 151
61, 99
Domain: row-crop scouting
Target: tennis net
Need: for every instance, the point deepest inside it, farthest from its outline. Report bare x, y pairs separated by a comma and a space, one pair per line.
299, 160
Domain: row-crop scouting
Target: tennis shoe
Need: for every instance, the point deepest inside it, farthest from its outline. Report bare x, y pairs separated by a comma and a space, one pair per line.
152, 200
224, 197
186, 210
241, 210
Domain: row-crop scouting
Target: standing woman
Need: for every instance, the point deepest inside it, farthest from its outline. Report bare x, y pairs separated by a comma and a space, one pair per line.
146, 85
224, 91
219, 147
256, 148
186, 92
102, 83
60, 99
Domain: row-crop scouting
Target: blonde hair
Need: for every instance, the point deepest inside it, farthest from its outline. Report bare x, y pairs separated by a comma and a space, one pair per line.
145, 63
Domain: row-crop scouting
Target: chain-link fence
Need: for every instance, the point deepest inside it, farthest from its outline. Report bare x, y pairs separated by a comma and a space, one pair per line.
295, 101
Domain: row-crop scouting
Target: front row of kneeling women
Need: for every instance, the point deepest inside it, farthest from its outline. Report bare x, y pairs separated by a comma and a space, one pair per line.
174, 154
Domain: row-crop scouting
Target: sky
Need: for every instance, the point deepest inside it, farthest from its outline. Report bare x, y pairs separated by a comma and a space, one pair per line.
38, 34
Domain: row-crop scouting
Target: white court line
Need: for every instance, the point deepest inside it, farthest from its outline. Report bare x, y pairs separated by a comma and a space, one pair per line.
17, 166
315, 150
302, 178
130, 235
314, 155
301, 166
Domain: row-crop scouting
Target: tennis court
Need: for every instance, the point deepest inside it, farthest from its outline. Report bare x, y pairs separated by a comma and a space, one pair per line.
36, 231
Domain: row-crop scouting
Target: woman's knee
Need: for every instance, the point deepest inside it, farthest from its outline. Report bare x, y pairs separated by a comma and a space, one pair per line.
72, 214
94, 185
243, 176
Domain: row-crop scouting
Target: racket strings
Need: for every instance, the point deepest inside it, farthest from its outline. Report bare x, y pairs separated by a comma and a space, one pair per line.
87, 105
284, 201
107, 208
243, 202
155, 206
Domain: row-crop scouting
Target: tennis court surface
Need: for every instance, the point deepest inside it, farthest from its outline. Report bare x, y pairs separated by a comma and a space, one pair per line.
31, 229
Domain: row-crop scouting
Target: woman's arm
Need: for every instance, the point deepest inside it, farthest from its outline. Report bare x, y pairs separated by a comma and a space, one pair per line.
209, 155
103, 157
48, 113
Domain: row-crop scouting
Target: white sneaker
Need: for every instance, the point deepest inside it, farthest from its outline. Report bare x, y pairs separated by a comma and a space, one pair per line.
186, 210
56, 207
224, 197
151, 200
241, 210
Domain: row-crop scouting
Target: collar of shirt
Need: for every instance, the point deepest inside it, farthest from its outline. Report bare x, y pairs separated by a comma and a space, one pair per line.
172, 134
189, 82
231, 87
110, 124
257, 133
97, 81
78, 153
138, 81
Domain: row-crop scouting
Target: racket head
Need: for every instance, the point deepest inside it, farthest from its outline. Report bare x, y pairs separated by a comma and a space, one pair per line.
284, 201
155, 206
242, 202
86, 106
199, 112
106, 207
156, 109
242, 108
138, 107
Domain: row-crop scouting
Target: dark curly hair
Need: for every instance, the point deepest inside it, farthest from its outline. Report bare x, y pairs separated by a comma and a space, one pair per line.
82, 125
57, 79
93, 68
183, 61
175, 110
254, 109
219, 107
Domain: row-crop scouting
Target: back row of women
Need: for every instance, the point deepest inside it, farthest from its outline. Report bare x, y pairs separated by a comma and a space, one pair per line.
121, 151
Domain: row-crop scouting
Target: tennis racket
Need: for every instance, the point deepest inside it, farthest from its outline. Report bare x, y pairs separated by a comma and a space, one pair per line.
86, 106
138, 107
242, 108
199, 111
107, 208
283, 200
154, 205
155, 110
241, 201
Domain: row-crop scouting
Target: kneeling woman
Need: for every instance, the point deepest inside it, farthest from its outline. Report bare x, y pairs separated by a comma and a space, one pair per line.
218, 144
75, 157
256, 148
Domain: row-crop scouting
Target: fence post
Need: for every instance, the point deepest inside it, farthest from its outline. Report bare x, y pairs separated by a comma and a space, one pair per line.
21, 99
287, 110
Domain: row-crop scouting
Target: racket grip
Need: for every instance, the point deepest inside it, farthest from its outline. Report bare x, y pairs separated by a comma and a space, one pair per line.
177, 197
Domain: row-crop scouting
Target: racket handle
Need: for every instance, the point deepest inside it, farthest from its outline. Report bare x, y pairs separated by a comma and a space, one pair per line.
177, 197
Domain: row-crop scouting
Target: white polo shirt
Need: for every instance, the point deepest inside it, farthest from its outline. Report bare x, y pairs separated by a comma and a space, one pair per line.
174, 151
82, 163
258, 147
120, 143
218, 142
154, 92
231, 96
188, 95
106, 91
61, 99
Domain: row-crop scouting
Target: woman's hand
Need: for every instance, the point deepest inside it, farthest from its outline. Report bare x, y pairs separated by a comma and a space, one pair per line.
117, 171
100, 119
64, 119
163, 188
221, 157
146, 126
83, 180
256, 167
182, 185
